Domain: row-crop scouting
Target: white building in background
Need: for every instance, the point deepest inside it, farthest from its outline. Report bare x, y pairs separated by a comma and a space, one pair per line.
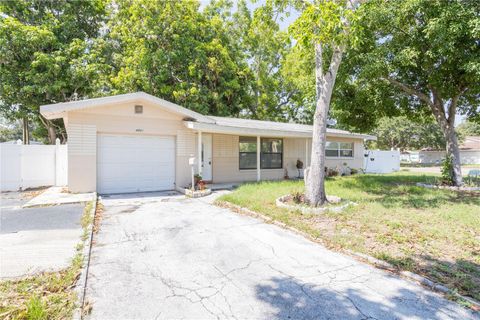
469, 153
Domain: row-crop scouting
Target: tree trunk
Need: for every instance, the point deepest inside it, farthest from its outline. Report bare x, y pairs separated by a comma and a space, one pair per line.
446, 120
25, 131
454, 152
315, 187
52, 133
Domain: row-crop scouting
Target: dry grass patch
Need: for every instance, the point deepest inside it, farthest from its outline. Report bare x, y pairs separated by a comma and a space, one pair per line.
435, 233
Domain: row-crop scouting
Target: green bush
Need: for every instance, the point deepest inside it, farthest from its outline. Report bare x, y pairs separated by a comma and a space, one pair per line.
447, 169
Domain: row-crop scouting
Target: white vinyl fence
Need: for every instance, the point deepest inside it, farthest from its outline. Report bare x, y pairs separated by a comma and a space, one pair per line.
380, 161
30, 166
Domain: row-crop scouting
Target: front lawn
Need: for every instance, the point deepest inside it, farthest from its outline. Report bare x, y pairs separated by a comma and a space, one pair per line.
435, 233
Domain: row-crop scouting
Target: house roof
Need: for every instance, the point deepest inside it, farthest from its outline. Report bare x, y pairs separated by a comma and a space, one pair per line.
59, 110
198, 121
266, 128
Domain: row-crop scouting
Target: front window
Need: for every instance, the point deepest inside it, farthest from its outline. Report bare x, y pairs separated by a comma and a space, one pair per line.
248, 153
339, 149
271, 153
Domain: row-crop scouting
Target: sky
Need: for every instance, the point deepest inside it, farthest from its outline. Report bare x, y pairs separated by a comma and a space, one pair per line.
283, 24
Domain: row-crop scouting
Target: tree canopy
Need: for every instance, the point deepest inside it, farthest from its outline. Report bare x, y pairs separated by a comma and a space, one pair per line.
47, 55
418, 58
400, 132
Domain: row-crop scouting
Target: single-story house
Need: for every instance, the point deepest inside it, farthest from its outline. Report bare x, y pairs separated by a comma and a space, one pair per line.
469, 153
137, 142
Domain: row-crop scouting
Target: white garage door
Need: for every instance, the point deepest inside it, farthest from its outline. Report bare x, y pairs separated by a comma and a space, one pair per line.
135, 163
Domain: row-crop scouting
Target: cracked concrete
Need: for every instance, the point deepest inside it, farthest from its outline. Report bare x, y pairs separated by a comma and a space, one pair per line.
187, 259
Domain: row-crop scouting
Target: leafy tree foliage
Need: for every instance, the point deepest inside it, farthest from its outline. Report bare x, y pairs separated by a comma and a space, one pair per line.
265, 47
418, 58
469, 128
400, 132
46, 55
172, 50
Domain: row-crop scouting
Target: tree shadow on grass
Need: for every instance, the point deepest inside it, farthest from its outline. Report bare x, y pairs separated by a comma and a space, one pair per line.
292, 299
402, 191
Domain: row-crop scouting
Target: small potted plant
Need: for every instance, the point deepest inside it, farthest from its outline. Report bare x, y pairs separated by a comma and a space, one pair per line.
196, 179
201, 184
299, 166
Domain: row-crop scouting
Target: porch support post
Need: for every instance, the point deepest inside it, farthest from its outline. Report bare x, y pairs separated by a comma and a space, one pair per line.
258, 158
199, 152
306, 153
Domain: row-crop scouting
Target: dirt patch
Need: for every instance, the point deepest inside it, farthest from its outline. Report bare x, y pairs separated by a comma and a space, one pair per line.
98, 217
30, 193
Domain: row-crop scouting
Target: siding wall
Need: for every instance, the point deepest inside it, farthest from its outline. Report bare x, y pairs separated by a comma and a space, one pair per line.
82, 157
226, 158
466, 156
84, 125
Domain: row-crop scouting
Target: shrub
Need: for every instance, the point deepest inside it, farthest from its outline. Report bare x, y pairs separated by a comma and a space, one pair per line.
297, 197
447, 168
353, 171
331, 172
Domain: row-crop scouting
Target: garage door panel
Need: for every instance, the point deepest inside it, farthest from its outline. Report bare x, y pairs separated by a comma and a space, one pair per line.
135, 164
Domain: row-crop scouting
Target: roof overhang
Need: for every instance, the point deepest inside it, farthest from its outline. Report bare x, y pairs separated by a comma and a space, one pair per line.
246, 131
60, 110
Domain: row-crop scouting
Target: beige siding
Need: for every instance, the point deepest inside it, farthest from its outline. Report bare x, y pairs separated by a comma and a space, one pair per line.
84, 125
121, 119
82, 166
226, 159
186, 148
358, 154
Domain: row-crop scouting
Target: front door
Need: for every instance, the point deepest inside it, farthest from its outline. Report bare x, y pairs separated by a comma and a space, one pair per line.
207, 157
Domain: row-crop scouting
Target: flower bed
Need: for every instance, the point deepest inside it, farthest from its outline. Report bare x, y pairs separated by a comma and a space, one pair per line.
195, 193
287, 202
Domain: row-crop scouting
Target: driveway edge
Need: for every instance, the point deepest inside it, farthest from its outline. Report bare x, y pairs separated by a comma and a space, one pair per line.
425, 282
81, 286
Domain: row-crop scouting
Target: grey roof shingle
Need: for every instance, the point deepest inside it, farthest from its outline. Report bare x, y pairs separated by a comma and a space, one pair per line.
269, 125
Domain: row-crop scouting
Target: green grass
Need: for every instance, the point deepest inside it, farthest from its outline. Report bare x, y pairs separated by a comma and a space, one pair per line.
48, 295
435, 233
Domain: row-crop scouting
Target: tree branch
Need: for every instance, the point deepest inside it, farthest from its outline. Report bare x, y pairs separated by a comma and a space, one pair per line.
412, 91
452, 107
335, 62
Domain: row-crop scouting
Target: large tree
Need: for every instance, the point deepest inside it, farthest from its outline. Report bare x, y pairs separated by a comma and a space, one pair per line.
265, 46
420, 58
325, 26
173, 50
47, 55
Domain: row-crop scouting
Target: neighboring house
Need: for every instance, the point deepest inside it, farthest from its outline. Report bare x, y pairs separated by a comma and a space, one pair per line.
138, 142
469, 152
409, 156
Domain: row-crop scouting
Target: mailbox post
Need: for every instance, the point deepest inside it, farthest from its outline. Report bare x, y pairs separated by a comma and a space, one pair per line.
191, 162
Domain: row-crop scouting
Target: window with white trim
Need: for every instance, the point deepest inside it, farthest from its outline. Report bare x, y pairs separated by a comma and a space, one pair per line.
335, 149
271, 153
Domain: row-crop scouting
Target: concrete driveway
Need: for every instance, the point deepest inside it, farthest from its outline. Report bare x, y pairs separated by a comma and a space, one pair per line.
36, 239
166, 257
